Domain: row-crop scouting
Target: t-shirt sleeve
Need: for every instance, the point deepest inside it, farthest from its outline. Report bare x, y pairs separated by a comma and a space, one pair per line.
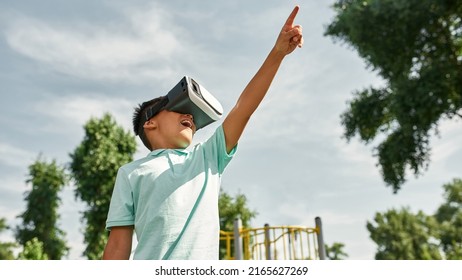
215, 148
121, 210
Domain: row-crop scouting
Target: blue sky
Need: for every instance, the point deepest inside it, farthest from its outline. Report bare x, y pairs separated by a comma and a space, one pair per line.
63, 62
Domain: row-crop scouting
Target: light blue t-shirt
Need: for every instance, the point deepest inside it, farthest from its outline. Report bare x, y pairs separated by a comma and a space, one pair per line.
157, 193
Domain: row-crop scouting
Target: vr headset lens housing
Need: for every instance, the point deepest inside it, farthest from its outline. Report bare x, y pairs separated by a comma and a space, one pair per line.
189, 97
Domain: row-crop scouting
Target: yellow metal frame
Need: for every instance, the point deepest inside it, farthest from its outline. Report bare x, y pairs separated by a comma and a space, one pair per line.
284, 243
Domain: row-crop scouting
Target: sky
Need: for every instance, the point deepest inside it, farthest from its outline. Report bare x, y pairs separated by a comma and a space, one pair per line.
63, 62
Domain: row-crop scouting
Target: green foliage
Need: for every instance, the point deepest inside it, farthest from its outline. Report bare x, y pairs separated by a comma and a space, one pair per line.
94, 164
33, 250
416, 47
41, 215
449, 215
231, 208
335, 252
402, 235
6, 248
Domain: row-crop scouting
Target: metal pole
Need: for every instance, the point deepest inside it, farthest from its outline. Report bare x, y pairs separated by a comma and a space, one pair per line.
237, 239
267, 242
289, 232
321, 247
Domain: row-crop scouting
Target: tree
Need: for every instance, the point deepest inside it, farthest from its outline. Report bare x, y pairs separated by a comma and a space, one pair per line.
33, 250
6, 248
335, 252
94, 164
231, 208
401, 235
416, 47
41, 216
449, 216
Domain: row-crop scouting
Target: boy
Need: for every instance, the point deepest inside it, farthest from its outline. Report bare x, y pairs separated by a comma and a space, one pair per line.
170, 197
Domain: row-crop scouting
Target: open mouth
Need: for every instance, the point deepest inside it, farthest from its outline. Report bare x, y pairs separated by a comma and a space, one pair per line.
187, 123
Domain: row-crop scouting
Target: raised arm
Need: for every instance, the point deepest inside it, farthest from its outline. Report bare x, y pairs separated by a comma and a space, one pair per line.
288, 40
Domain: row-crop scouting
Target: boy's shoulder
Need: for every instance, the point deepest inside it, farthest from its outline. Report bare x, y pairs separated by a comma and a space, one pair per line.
153, 155
134, 164
190, 152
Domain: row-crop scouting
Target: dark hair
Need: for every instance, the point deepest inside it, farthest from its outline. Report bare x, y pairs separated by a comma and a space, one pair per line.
143, 113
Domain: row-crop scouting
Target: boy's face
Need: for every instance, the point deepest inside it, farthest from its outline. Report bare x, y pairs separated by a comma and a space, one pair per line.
174, 130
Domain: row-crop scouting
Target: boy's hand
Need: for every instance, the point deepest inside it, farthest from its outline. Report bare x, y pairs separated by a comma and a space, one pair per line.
291, 35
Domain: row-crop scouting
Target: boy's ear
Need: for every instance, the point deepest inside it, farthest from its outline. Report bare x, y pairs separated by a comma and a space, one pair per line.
150, 124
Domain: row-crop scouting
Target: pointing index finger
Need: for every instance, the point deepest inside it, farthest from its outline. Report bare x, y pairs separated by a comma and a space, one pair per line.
291, 18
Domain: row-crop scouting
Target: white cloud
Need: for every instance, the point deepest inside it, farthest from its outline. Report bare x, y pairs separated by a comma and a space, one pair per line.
340, 219
356, 153
11, 193
13, 156
122, 50
77, 110
448, 142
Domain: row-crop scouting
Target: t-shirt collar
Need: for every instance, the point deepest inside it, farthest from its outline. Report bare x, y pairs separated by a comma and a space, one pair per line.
176, 151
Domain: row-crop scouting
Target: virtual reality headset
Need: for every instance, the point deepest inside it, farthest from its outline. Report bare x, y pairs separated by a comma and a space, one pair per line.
189, 97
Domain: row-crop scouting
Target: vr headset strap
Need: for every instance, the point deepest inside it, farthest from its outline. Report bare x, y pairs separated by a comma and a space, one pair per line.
154, 110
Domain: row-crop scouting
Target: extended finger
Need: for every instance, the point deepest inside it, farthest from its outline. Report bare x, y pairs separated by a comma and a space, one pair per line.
291, 18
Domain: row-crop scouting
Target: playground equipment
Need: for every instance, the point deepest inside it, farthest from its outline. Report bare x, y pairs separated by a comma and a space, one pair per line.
274, 242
